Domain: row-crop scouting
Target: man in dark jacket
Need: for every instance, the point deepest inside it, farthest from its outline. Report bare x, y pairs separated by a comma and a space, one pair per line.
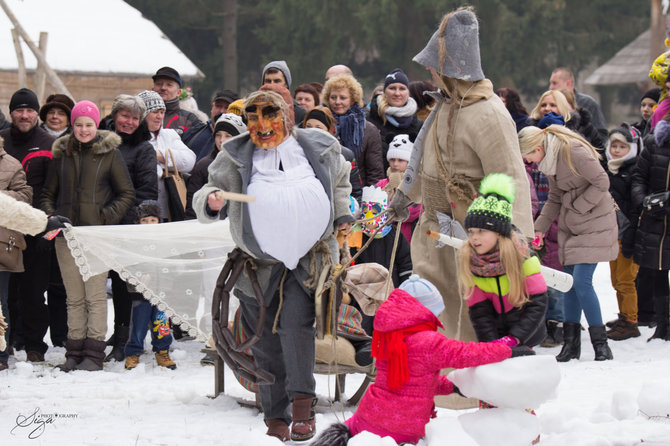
201, 140
167, 83
31, 145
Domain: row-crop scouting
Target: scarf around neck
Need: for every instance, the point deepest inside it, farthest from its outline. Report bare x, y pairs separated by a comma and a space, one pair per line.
486, 265
390, 346
351, 128
548, 164
400, 117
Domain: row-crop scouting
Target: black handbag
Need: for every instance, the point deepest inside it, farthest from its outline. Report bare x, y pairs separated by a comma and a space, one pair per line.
175, 187
657, 204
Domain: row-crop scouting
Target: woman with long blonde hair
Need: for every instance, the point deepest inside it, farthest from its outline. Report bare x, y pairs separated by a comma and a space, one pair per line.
587, 227
551, 101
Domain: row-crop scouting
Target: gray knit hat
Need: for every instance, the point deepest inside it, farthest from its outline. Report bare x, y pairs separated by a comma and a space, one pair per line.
152, 100
461, 38
280, 65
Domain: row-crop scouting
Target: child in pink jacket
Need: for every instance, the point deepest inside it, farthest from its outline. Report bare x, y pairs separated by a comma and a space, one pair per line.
410, 354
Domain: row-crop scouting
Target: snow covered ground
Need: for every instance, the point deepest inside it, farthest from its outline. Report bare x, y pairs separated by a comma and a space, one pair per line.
597, 403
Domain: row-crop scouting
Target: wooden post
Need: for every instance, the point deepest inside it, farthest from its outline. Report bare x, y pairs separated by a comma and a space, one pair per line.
229, 42
40, 75
51, 74
23, 81
658, 32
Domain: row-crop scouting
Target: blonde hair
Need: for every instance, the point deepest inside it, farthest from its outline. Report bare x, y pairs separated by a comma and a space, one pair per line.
511, 257
343, 81
561, 104
558, 138
570, 97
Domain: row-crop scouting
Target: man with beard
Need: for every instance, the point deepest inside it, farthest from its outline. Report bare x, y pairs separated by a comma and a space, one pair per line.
31, 145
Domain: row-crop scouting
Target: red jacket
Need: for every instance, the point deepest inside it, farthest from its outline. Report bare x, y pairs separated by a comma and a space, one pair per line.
403, 414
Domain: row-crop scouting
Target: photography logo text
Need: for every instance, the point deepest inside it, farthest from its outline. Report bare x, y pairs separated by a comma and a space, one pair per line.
35, 423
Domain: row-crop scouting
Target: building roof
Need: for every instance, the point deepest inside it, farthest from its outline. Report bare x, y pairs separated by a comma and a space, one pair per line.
628, 66
107, 37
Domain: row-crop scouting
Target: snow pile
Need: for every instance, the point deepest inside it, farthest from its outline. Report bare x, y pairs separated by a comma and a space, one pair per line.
519, 383
501, 427
654, 399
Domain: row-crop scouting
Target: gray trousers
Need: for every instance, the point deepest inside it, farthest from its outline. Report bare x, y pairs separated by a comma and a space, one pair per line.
289, 354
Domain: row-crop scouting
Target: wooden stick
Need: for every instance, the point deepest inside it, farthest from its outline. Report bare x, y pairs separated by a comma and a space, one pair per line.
223, 195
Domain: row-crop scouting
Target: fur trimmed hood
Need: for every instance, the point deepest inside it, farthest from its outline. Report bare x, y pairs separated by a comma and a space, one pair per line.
105, 141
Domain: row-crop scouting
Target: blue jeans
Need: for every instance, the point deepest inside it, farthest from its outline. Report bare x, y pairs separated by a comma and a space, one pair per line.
582, 296
143, 316
555, 304
4, 297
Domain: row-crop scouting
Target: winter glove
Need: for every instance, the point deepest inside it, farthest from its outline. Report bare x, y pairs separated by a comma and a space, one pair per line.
399, 207
521, 350
57, 222
509, 341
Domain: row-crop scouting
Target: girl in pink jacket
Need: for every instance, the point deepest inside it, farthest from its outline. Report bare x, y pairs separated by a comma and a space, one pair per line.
410, 354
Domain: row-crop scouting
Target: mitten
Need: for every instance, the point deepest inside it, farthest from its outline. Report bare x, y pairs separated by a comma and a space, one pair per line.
399, 207
510, 341
521, 350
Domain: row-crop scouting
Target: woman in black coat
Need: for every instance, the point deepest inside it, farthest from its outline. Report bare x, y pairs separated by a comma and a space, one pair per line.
393, 111
652, 244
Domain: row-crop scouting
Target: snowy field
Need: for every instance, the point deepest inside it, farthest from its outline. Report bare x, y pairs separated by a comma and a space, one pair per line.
597, 403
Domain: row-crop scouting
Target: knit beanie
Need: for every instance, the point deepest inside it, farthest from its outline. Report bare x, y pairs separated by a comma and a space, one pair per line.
24, 98
549, 119
231, 123
400, 147
57, 101
653, 94
627, 134
396, 76
281, 66
320, 116
148, 208
237, 107
461, 42
425, 292
152, 100
85, 108
492, 209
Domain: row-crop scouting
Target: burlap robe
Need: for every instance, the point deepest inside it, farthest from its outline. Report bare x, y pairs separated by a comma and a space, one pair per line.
485, 141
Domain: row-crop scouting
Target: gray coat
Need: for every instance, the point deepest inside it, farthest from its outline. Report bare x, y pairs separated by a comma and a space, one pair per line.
587, 226
231, 172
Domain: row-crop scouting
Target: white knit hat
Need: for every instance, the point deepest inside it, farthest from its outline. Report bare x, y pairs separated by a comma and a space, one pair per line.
400, 147
152, 100
425, 292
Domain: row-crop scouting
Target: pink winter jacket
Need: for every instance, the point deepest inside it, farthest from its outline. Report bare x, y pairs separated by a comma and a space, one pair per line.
403, 414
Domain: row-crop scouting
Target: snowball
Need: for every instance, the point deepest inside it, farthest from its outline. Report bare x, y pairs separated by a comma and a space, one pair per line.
178, 354
23, 368
366, 438
523, 382
447, 430
624, 406
501, 427
654, 399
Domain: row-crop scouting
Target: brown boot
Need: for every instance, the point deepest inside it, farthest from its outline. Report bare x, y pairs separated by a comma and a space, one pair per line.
163, 359
278, 428
94, 354
624, 329
132, 361
73, 354
304, 425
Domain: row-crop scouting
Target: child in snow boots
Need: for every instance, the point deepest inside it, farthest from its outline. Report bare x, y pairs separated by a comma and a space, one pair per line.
144, 316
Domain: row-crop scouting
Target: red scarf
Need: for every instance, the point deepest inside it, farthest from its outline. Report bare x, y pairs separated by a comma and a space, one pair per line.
390, 346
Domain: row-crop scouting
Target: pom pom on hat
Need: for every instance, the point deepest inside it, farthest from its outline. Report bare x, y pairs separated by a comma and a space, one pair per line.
425, 292
492, 210
400, 147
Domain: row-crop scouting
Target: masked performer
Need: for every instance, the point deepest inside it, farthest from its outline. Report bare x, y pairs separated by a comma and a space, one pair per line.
301, 185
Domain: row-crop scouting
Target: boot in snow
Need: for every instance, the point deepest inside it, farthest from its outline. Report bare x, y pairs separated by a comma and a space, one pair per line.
278, 428
121, 333
73, 354
163, 359
572, 346
132, 361
661, 311
304, 425
599, 341
94, 354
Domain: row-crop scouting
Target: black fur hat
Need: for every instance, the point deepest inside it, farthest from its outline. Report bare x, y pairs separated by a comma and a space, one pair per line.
148, 208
